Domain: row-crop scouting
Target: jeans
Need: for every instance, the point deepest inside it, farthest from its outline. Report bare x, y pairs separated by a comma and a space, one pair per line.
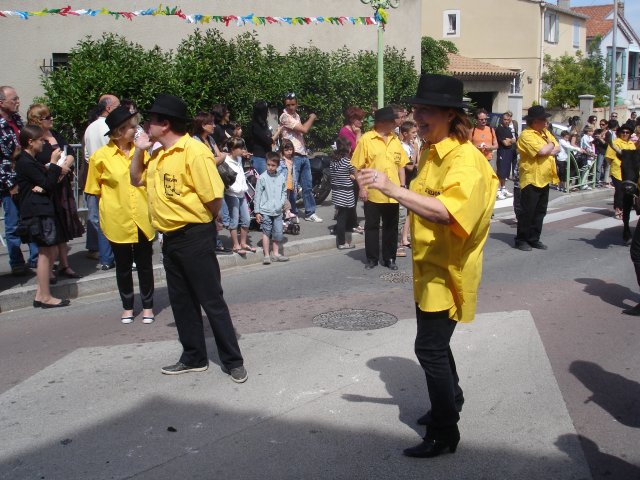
303, 174
347, 220
193, 282
433, 350
272, 227
600, 168
11, 217
93, 217
238, 211
259, 164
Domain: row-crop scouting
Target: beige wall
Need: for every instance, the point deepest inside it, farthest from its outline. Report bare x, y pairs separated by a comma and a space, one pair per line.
506, 33
36, 39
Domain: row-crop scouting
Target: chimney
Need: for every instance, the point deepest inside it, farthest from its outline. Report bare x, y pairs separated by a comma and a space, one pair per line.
564, 4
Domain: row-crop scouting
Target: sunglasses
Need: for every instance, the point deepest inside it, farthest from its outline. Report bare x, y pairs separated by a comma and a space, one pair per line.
625, 133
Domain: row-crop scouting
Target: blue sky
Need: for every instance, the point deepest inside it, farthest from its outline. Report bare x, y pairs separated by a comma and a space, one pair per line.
631, 9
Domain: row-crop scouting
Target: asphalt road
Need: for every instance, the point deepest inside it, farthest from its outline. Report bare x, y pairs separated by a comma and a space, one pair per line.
575, 292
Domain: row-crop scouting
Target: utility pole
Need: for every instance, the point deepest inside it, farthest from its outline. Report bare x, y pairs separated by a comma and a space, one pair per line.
612, 94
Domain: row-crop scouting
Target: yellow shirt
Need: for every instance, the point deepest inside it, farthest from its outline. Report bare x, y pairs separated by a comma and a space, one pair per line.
123, 207
535, 170
447, 259
389, 157
180, 181
616, 163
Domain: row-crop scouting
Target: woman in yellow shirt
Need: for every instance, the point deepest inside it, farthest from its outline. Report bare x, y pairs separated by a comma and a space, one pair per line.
622, 142
450, 201
124, 212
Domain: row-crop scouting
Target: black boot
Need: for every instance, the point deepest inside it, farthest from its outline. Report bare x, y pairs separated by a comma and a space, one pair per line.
432, 448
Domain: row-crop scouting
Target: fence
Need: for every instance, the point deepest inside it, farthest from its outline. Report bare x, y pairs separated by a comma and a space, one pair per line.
580, 175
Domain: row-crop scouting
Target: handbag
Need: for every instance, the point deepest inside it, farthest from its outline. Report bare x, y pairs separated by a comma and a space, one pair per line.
227, 174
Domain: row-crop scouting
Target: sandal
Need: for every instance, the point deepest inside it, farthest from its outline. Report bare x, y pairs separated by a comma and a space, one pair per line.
401, 252
358, 229
240, 251
148, 320
248, 248
67, 272
618, 214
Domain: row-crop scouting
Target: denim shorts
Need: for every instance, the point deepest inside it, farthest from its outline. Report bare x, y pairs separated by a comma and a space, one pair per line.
238, 212
272, 226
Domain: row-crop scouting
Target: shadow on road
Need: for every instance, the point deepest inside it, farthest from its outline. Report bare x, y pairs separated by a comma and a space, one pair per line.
611, 293
614, 393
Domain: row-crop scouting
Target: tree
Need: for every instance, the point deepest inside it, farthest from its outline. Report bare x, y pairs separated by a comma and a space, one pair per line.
569, 76
434, 57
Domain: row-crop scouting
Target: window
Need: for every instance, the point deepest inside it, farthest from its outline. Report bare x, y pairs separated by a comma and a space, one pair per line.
451, 23
550, 27
576, 34
59, 60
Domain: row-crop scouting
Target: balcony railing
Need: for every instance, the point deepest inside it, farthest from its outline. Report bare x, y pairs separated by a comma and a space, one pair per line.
633, 83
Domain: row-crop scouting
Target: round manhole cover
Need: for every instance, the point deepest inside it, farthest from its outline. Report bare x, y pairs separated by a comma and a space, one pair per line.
397, 277
352, 319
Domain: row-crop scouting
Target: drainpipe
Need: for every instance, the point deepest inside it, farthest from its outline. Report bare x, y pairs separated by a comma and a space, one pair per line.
539, 92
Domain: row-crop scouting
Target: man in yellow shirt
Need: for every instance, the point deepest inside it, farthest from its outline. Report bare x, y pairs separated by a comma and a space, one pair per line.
380, 149
537, 147
185, 195
451, 202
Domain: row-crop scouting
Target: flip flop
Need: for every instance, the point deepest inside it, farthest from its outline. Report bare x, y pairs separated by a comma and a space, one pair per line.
240, 251
401, 252
249, 248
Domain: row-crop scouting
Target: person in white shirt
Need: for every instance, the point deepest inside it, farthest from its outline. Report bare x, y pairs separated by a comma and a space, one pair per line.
563, 157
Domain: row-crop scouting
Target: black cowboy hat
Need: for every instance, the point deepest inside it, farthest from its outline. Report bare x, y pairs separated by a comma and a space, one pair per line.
117, 117
169, 106
536, 112
384, 114
439, 91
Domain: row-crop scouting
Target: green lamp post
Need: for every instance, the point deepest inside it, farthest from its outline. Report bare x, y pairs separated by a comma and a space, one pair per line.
381, 16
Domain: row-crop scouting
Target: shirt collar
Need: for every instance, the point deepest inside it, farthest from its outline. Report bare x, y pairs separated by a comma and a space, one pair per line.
444, 147
179, 145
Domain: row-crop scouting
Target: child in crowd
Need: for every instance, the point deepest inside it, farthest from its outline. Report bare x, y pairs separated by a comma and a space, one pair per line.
409, 140
271, 194
235, 198
343, 193
286, 169
562, 158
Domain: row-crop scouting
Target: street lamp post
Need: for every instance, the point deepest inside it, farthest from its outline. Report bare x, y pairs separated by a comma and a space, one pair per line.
379, 6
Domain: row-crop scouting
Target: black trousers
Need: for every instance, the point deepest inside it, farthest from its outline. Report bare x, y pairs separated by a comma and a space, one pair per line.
347, 218
193, 281
434, 354
388, 213
125, 254
533, 205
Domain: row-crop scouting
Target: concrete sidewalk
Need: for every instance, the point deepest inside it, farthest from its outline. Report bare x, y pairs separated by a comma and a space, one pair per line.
18, 292
319, 404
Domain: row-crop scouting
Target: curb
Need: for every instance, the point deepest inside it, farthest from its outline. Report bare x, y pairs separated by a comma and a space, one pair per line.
22, 297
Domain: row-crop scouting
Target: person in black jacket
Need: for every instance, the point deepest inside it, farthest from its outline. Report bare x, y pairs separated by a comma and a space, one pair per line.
36, 184
262, 136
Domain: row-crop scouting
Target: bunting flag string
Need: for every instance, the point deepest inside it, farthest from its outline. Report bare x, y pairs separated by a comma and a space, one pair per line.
379, 19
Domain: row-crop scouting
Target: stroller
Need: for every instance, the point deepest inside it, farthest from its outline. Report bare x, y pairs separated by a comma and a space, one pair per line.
290, 224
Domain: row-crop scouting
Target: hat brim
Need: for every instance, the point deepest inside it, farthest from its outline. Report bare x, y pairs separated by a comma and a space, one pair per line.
537, 117
435, 102
123, 120
166, 112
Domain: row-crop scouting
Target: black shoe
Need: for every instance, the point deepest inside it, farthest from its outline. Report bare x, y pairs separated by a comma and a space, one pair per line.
239, 374
390, 264
371, 264
431, 448
65, 302
426, 418
524, 246
38, 304
635, 311
180, 367
539, 245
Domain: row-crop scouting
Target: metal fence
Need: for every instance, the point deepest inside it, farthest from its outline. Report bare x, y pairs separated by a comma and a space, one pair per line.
579, 176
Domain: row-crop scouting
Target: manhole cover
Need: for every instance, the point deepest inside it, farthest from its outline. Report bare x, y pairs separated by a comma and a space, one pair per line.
397, 277
351, 319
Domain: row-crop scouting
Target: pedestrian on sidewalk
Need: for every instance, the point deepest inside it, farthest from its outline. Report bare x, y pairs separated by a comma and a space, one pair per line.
236, 200
506, 154
451, 202
380, 149
185, 194
537, 169
271, 194
343, 193
124, 212
36, 183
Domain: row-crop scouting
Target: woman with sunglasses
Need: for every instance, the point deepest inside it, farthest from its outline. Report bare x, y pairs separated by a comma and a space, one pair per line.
124, 212
63, 198
622, 142
37, 182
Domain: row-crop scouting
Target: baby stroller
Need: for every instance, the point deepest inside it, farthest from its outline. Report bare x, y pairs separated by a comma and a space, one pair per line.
290, 224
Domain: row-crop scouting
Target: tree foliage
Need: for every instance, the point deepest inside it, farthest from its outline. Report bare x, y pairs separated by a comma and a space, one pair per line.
206, 69
569, 76
434, 57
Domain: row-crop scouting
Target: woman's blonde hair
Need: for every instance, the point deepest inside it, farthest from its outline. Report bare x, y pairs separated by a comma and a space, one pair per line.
36, 113
117, 132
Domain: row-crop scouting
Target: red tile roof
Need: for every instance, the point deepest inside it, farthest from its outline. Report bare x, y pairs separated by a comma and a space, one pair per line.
465, 67
596, 23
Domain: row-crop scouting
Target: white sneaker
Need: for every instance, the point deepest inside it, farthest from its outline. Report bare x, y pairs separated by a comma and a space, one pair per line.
313, 218
506, 192
500, 195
